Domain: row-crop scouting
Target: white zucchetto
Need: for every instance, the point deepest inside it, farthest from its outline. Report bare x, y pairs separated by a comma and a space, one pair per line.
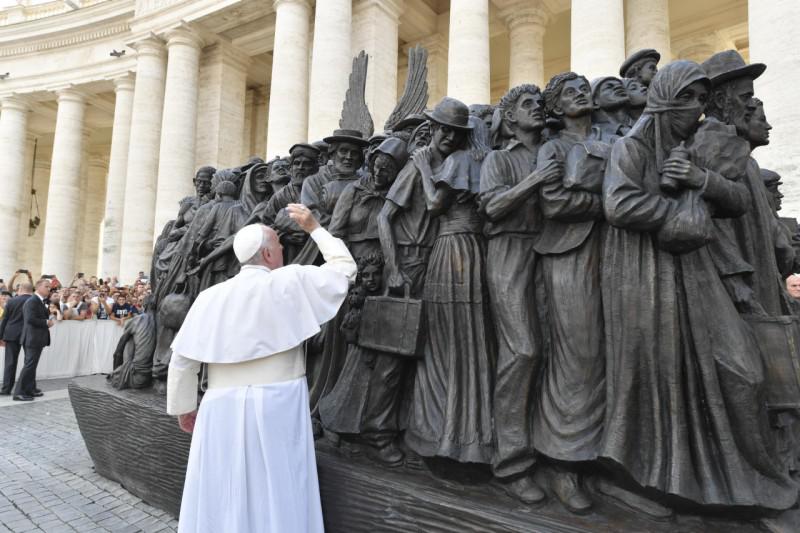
248, 241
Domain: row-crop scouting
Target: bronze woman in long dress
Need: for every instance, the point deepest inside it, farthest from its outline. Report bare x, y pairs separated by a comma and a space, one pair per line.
451, 414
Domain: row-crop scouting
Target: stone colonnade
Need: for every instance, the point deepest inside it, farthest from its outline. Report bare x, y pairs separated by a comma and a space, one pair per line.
157, 141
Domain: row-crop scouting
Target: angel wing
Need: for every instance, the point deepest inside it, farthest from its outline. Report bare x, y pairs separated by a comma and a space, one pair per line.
355, 113
415, 93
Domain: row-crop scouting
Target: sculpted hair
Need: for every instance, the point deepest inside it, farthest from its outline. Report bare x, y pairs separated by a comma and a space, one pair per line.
509, 99
208, 170
553, 89
374, 259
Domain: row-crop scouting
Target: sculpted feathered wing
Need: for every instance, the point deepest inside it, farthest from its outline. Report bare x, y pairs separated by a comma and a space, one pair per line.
355, 113
415, 93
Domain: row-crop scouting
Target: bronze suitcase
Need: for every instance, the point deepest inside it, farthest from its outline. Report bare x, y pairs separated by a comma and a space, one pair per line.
779, 339
392, 325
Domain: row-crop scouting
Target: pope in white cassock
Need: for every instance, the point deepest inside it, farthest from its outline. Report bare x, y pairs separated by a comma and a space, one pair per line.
251, 466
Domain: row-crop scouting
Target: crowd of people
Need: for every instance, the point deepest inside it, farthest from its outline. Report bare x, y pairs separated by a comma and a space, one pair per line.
82, 299
85, 298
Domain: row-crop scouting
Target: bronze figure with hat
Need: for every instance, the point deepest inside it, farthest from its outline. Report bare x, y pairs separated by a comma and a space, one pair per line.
641, 65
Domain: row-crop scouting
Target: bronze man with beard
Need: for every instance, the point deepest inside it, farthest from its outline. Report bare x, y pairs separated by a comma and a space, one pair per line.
303, 162
508, 199
570, 403
321, 190
747, 248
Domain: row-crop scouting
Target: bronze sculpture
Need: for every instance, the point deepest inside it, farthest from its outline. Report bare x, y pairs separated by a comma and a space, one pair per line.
508, 199
674, 395
570, 405
450, 413
641, 65
584, 308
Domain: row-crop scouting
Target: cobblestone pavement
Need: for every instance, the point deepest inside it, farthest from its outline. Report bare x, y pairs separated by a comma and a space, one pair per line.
47, 481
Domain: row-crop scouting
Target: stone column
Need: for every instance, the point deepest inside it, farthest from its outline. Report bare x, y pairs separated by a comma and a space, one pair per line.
93, 203
647, 26
145, 139
220, 107
41, 182
331, 62
178, 125
468, 76
774, 40
63, 202
117, 169
260, 121
13, 139
597, 37
82, 215
526, 26
375, 27
288, 103
698, 48
23, 255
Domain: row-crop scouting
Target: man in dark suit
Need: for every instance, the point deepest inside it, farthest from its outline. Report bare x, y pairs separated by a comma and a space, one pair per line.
35, 336
11, 333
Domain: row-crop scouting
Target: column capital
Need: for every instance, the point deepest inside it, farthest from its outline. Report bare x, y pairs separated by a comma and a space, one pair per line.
524, 14
151, 45
393, 8
228, 54
15, 102
71, 94
126, 82
184, 35
302, 3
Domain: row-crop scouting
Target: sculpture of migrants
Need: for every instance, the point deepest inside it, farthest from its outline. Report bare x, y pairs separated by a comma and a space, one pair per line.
576, 292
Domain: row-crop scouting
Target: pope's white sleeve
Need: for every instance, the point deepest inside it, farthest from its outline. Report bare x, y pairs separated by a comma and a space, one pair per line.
334, 251
182, 385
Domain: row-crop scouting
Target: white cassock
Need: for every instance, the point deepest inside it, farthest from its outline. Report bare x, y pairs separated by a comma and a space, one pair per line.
252, 467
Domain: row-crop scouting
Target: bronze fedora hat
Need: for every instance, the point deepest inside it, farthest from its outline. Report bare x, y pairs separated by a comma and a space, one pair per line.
728, 65
450, 112
347, 136
645, 53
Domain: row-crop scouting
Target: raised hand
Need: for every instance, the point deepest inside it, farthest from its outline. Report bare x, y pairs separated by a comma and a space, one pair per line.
303, 216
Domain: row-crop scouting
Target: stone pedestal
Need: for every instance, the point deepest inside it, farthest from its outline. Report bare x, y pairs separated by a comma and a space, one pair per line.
132, 441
